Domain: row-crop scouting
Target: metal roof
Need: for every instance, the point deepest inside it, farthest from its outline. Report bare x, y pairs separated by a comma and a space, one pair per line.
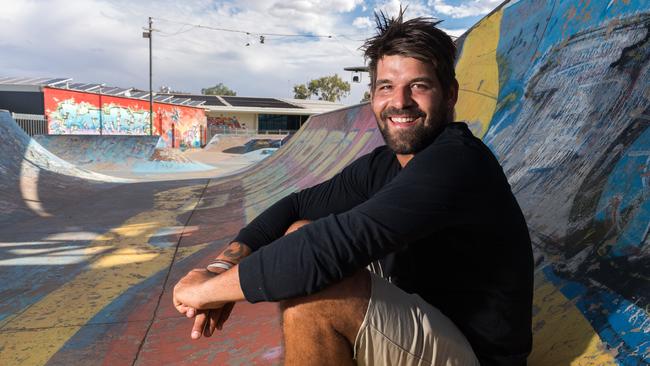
206, 99
32, 81
214, 102
195, 103
139, 94
258, 102
162, 98
84, 87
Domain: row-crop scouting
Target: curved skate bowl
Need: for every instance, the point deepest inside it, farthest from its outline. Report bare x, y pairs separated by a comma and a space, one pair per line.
558, 90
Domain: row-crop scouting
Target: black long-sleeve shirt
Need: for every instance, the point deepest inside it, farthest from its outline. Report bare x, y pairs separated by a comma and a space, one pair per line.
446, 227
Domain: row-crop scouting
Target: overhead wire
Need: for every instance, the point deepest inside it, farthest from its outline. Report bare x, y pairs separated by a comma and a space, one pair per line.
221, 29
186, 27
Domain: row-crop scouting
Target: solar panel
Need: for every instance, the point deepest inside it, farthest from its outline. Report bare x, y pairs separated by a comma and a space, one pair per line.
139, 94
91, 87
114, 91
179, 100
84, 87
162, 98
109, 90
37, 81
53, 82
258, 102
206, 99
195, 103
77, 86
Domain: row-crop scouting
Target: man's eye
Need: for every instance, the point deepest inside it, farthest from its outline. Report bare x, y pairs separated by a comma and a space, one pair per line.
384, 87
420, 86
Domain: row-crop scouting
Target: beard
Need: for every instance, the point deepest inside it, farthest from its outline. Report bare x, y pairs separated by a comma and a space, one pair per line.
413, 139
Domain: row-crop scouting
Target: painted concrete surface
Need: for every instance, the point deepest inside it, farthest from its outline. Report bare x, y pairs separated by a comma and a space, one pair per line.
144, 158
96, 150
561, 98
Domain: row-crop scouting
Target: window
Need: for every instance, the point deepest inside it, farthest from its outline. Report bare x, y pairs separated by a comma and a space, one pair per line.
269, 122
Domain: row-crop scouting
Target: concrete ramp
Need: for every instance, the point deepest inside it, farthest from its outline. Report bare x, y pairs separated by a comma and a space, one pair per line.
558, 90
32, 179
96, 150
136, 157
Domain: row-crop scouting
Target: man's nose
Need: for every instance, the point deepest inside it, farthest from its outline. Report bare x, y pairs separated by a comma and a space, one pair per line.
402, 98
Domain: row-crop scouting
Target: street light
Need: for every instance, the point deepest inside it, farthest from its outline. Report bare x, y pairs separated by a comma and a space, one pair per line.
148, 34
101, 110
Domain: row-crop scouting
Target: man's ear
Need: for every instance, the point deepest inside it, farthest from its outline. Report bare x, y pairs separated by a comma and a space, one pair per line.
452, 96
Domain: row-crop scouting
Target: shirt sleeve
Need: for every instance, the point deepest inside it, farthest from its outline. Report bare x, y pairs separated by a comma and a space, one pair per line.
440, 187
336, 195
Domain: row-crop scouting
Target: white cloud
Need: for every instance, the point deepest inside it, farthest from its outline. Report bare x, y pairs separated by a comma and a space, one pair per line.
454, 32
413, 8
474, 8
101, 41
362, 22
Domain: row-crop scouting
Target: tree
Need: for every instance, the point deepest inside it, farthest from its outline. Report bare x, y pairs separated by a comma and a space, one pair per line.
330, 88
218, 89
300, 92
366, 97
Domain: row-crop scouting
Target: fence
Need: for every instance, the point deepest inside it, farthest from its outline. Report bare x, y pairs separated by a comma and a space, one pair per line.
226, 130
32, 124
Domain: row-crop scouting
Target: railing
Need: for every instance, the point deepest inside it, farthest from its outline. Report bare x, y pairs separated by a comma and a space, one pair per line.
225, 130
32, 124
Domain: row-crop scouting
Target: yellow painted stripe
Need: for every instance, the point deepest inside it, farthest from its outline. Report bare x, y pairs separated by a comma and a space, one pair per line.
477, 72
562, 336
129, 261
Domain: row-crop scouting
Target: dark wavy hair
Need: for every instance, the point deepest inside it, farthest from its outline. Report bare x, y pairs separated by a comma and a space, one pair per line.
418, 38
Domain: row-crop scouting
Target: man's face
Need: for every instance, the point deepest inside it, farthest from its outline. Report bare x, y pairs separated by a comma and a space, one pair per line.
409, 103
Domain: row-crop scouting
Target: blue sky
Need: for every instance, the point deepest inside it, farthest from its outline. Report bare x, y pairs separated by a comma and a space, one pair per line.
101, 40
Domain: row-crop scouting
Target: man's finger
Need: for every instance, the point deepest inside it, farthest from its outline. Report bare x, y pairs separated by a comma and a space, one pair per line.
199, 324
225, 314
181, 308
211, 324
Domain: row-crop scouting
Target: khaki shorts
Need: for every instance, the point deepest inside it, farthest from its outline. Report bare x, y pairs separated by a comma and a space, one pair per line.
403, 329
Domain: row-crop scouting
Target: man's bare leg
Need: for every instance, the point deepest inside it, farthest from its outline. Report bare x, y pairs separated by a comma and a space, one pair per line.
320, 329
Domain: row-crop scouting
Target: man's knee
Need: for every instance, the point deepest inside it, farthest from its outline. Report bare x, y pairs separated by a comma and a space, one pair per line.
340, 306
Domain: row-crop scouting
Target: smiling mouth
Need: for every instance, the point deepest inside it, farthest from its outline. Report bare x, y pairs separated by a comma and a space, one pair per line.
403, 121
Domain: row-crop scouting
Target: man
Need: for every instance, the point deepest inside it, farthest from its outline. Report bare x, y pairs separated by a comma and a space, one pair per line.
431, 214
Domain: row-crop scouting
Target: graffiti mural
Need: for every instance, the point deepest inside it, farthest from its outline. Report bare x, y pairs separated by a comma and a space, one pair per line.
568, 121
78, 113
185, 123
227, 122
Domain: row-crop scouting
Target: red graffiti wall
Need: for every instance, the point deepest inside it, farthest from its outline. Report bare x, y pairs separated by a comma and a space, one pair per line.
73, 112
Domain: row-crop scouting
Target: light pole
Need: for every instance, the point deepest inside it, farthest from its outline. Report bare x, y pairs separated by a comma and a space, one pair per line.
148, 34
101, 110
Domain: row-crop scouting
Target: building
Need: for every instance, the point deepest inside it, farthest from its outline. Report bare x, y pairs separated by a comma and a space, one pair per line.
180, 119
263, 115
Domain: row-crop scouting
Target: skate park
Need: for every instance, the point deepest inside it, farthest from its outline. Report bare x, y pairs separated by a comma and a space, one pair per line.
558, 90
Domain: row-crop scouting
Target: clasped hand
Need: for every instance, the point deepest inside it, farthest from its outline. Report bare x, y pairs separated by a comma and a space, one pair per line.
192, 298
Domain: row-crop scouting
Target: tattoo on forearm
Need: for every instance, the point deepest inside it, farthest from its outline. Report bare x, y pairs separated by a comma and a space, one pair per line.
235, 252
